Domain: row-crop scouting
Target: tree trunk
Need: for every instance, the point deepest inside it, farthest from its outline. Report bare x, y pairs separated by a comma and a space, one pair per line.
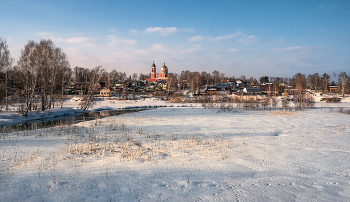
6, 92
62, 95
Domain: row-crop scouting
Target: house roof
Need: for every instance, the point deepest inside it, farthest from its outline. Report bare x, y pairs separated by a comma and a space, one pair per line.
251, 90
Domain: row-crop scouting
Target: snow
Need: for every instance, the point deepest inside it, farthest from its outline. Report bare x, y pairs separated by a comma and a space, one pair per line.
181, 154
72, 107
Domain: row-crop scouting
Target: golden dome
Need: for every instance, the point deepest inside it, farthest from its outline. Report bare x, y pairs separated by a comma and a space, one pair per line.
164, 67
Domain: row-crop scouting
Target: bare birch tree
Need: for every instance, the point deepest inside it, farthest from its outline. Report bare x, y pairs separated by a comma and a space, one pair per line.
299, 82
325, 82
5, 65
94, 75
343, 81
216, 76
65, 71
40, 70
28, 74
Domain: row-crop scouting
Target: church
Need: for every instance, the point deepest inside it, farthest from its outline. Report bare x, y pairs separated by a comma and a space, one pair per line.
162, 76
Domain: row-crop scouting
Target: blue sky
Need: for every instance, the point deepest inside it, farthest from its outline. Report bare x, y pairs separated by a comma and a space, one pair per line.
251, 38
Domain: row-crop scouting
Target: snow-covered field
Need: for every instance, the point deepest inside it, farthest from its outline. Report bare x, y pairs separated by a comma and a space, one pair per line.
181, 154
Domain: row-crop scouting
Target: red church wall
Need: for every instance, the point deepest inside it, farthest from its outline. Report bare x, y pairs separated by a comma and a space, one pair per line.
155, 76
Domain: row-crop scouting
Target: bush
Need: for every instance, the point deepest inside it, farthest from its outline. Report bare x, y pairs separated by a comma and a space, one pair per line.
344, 110
302, 102
330, 99
177, 100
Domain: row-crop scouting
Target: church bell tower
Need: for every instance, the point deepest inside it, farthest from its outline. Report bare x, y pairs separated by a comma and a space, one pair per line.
153, 71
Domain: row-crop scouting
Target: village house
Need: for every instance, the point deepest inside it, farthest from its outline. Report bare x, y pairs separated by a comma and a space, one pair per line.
251, 91
333, 89
105, 92
269, 88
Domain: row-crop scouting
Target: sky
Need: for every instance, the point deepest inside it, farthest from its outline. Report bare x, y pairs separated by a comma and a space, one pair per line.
250, 38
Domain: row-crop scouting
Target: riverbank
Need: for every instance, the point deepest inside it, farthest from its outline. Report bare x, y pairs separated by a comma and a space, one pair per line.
71, 107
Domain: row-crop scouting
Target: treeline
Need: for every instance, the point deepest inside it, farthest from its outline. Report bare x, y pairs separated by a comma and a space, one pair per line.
320, 83
42, 70
40, 75
195, 80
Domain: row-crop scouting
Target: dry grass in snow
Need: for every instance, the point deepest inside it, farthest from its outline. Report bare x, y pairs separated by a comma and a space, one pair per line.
182, 154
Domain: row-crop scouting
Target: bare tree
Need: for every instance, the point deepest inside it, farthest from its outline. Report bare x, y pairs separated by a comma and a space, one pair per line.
335, 77
169, 82
325, 82
134, 77
194, 81
95, 75
343, 81
313, 80
122, 76
184, 78
80, 74
44, 56
66, 78
216, 75
222, 77
52, 63
204, 78
41, 68
28, 73
58, 72
5, 65
299, 82
142, 76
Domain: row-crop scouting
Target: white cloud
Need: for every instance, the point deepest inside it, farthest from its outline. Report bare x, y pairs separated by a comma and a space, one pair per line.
112, 30
77, 56
44, 33
49, 35
56, 39
248, 39
167, 30
162, 31
163, 48
277, 42
179, 51
218, 38
188, 30
133, 31
9, 40
114, 40
78, 40
225, 37
158, 47
303, 50
291, 48
196, 38
233, 50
